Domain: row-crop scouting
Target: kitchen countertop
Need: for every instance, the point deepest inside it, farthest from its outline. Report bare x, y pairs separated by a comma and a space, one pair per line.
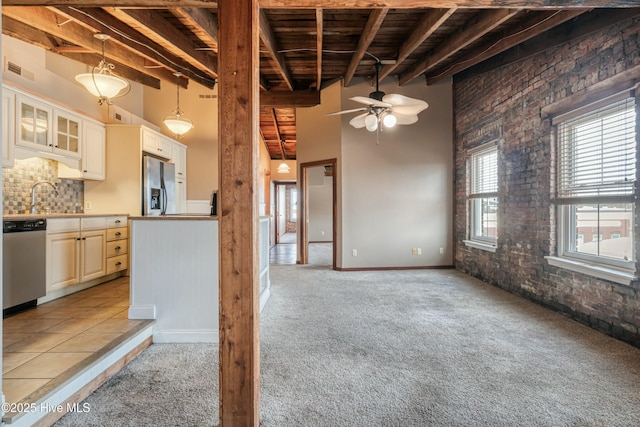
176, 217
56, 215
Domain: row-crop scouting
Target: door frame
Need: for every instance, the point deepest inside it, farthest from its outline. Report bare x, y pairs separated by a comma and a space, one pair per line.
303, 206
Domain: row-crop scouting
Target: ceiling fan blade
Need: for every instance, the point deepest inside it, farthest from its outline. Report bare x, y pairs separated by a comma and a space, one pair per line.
347, 111
405, 105
405, 119
370, 101
358, 121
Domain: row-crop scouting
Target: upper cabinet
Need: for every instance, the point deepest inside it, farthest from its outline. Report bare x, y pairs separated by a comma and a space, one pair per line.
179, 158
33, 123
36, 128
156, 143
8, 127
66, 133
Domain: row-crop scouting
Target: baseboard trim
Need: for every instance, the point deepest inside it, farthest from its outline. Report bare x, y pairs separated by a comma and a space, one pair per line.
185, 336
142, 312
433, 267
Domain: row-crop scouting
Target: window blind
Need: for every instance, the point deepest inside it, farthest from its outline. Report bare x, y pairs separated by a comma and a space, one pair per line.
597, 153
484, 172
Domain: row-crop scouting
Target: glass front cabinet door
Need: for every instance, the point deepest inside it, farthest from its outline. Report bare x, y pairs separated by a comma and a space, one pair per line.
66, 134
34, 123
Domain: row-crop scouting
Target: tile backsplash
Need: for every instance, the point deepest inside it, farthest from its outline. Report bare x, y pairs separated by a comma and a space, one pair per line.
18, 180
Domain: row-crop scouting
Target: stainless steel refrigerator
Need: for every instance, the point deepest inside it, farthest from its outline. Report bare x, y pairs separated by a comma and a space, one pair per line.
159, 193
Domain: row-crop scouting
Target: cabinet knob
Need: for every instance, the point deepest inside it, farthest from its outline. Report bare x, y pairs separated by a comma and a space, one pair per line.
85, 171
117, 221
117, 248
118, 263
118, 233
78, 239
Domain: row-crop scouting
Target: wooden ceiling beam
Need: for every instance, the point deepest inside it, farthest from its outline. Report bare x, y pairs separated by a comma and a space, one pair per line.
269, 40
342, 4
46, 20
276, 128
483, 23
319, 42
376, 17
535, 25
97, 20
153, 25
295, 99
430, 22
203, 20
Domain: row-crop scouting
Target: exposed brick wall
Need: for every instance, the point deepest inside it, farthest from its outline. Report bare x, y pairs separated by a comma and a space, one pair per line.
505, 105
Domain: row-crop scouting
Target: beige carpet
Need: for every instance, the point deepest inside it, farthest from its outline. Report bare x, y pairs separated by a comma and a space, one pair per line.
391, 348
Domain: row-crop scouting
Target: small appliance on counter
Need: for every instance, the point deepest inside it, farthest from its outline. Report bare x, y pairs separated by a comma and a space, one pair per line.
158, 194
214, 203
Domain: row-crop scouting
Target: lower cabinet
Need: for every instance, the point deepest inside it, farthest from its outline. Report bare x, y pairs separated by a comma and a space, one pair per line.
79, 250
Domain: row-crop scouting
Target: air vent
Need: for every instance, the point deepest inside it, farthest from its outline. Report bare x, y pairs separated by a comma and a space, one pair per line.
14, 68
207, 96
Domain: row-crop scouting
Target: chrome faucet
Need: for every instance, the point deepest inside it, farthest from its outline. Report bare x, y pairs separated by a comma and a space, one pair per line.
33, 194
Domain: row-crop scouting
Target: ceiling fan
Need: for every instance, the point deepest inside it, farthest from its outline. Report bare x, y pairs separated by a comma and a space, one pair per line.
392, 109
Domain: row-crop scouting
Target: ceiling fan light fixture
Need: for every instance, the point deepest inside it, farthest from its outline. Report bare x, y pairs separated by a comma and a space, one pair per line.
371, 122
177, 122
389, 120
102, 82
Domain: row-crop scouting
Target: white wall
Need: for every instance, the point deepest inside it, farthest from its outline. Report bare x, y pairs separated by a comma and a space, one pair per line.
398, 185
53, 76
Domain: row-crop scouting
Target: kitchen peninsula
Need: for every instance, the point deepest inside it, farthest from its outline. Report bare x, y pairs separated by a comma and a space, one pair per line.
174, 275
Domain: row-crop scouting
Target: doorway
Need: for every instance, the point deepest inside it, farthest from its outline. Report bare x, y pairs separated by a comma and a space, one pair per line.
285, 228
317, 213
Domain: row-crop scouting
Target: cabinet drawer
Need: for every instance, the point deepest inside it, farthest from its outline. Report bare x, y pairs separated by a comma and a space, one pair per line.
62, 225
93, 223
116, 234
117, 263
116, 221
117, 247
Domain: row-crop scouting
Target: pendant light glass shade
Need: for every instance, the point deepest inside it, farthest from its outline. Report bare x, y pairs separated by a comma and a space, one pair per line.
284, 168
177, 123
101, 81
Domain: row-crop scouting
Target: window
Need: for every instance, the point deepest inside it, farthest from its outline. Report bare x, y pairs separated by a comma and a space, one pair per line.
596, 183
293, 205
483, 197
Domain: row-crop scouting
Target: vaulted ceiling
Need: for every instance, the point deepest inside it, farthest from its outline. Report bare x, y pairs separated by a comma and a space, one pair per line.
305, 49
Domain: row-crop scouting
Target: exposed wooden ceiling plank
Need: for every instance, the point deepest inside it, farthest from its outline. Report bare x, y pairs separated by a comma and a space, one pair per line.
47, 21
269, 39
319, 31
430, 22
368, 34
274, 118
483, 23
95, 19
525, 31
583, 25
297, 98
340, 4
203, 19
153, 25
26, 33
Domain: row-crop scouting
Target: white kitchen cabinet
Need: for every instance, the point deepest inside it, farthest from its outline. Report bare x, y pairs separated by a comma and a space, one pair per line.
181, 195
179, 158
156, 143
92, 165
8, 126
33, 123
67, 130
76, 250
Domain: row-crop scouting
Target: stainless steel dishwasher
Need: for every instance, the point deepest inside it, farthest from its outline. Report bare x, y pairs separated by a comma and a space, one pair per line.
23, 263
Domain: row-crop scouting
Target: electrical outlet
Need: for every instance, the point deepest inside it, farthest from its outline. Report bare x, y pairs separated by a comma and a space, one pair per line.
88, 205
419, 251
414, 251
354, 252
441, 251
322, 232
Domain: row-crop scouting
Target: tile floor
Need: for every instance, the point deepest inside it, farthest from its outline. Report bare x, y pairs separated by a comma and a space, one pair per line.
44, 345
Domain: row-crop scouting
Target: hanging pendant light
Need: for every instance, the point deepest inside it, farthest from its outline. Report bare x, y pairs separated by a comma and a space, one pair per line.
101, 81
177, 122
283, 167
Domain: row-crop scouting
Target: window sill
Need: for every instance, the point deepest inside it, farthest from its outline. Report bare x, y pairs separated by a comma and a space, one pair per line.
624, 277
478, 245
